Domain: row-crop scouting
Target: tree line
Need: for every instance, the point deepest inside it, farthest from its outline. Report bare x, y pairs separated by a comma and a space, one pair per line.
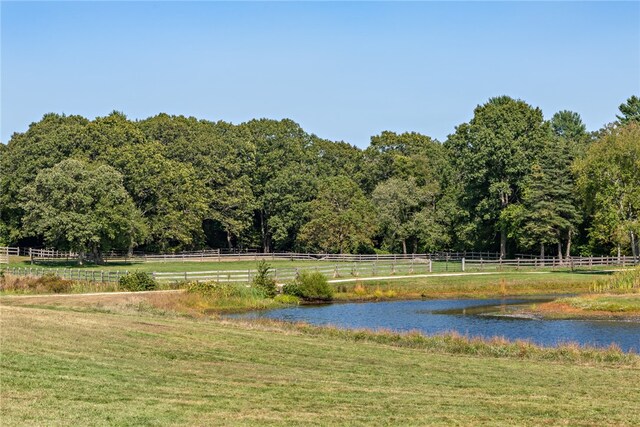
507, 181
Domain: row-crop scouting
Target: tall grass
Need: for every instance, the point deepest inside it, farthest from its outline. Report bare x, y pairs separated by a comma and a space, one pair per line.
52, 284
627, 281
454, 343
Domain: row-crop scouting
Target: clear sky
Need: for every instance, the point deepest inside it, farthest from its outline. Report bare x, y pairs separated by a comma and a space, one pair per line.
344, 71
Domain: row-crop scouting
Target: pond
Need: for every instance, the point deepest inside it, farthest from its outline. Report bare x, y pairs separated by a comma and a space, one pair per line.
472, 317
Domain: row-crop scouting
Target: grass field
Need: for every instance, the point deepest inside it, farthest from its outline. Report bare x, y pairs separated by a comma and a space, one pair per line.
71, 366
182, 266
459, 286
171, 266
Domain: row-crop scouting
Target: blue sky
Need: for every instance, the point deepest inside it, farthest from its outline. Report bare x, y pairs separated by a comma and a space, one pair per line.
344, 71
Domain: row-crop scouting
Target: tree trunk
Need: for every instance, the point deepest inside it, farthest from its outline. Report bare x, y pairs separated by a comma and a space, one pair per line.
404, 246
503, 242
81, 256
568, 253
96, 254
634, 245
619, 251
263, 230
559, 251
415, 246
542, 254
229, 240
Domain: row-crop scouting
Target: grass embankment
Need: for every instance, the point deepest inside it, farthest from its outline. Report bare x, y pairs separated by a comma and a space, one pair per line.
472, 286
62, 367
239, 297
613, 297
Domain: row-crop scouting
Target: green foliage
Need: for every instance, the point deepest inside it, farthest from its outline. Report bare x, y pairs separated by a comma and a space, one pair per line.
493, 154
630, 110
220, 290
504, 180
137, 281
310, 286
609, 182
340, 218
287, 299
263, 280
83, 207
408, 215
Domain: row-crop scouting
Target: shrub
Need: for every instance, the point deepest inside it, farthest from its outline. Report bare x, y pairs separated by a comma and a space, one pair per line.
53, 283
310, 286
287, 299
219, 290
359, 290
137, 281
263, 281
292, 288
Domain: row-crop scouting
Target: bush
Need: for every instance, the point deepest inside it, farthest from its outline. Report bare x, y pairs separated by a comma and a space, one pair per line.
287, 299
292, 288
219, 290
263, 282
53, 283
310, 286
137, 281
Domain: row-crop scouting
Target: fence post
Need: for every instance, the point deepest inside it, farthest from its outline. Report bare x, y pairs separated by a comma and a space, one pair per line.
463, 264
430, 266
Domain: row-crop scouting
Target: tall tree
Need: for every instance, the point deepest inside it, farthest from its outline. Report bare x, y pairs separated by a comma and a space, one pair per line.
222, 157
609, 178
409, 214
547, 213
167, 192
46, 143
280, 154
81, 207
630, 110
341, 219
493, 153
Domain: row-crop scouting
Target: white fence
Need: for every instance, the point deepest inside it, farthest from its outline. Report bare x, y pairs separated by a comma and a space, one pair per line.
216, 255
344, 269
4, 255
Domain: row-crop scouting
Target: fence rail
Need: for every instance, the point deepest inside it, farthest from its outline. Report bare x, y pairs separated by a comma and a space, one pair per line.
216, 255
342, 269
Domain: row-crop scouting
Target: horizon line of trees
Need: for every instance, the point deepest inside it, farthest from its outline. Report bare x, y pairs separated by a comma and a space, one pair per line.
507, 181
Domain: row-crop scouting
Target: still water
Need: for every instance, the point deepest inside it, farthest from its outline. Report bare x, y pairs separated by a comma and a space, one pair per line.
470, 317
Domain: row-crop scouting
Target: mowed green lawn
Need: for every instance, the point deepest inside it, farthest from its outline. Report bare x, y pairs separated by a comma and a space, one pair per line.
171, 266
69, 367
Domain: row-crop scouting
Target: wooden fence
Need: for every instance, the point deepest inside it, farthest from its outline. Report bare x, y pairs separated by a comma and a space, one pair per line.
216, 255
281, 274
103, 276
343, 269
